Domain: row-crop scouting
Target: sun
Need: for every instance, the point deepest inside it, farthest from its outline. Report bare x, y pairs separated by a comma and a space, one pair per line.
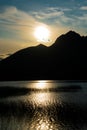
42, 34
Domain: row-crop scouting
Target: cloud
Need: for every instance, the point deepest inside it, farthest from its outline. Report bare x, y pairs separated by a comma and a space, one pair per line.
11, 15
48, 13
17, 25
83, 17
83, 8
58, 9
2, 56
56, 16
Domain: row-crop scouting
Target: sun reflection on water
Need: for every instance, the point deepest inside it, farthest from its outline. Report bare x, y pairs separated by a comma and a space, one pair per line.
43, 99
42, 118
43, 122
40, 84
40, 98
41, 95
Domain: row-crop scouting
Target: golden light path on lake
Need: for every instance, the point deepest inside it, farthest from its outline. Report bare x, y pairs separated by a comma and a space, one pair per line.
42, 99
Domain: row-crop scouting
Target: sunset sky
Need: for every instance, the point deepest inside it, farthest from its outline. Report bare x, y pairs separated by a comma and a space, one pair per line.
20, 18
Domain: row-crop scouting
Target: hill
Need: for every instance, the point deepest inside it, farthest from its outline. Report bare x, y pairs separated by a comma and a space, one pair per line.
64, 60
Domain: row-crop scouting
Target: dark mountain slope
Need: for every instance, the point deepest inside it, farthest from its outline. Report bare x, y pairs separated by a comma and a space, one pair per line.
24, 63
65, 59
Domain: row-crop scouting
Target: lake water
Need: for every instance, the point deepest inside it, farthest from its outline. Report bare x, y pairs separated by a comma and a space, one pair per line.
43, 105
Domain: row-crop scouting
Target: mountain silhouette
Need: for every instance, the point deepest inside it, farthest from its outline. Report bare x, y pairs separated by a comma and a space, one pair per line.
64, 60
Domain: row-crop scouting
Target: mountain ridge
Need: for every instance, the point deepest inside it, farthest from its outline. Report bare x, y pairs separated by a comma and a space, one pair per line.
63, 60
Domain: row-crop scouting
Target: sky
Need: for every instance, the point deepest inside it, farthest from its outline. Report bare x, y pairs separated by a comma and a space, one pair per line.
20, 18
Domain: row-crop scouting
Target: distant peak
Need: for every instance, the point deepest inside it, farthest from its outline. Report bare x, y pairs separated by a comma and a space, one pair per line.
41, 45
73, 33
68, 37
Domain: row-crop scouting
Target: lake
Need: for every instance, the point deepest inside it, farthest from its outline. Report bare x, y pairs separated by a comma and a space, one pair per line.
43, 105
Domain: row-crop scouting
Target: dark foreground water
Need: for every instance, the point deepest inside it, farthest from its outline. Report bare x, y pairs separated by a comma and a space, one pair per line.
43, 105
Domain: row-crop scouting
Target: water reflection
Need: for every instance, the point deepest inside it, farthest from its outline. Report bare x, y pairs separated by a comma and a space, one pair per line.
41, 98
43, 118
41, 121
45, 106
44, 98
40, 84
